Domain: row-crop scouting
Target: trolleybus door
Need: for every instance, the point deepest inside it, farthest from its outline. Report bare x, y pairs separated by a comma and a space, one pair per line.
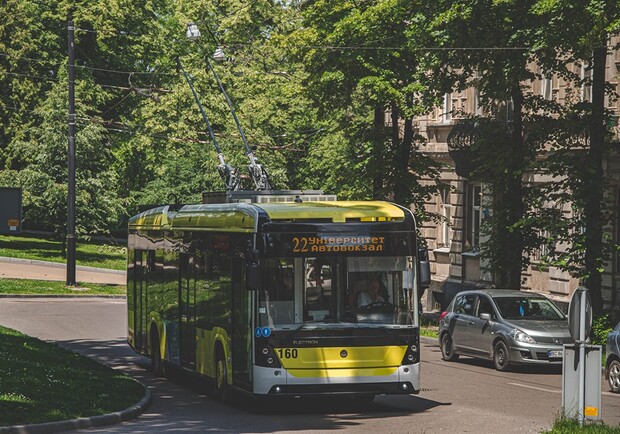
187, 311
241, 326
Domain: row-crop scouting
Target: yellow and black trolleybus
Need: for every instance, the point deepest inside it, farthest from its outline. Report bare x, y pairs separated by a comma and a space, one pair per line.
301, 297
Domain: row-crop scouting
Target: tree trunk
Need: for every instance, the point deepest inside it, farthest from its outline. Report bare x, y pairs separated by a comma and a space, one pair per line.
593, 182
402, 154
378, 170
509, 208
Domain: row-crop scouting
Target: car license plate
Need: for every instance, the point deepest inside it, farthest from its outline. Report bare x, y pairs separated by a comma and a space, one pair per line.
555, 354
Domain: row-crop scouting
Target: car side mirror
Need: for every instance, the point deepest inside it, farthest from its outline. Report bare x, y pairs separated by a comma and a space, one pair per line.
486, 316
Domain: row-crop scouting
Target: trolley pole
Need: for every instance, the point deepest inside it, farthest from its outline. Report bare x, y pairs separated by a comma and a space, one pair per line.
71, 164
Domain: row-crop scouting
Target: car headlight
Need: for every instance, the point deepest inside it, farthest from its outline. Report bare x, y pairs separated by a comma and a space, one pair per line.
521, 336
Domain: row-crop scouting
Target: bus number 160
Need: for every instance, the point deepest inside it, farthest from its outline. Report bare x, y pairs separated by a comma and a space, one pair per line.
287, 353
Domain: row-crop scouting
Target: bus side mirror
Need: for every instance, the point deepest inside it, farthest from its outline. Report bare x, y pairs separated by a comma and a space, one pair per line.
424, 268
252, 277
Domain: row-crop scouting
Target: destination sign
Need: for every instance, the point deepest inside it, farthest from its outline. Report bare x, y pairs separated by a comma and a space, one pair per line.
326, 244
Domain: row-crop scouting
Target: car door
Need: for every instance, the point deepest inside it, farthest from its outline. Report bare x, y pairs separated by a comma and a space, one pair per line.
463, 315
480, 330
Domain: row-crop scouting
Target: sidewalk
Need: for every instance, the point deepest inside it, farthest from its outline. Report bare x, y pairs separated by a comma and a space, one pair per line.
16, 268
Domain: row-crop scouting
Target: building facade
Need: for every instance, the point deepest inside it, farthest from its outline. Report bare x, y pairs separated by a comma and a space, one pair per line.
454, 241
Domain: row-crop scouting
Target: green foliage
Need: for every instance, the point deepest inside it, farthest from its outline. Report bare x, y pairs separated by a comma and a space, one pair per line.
565, 425
601, 326
88, 253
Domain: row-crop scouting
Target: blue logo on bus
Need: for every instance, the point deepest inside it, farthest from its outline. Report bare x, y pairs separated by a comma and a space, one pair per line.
266, 331
258, 332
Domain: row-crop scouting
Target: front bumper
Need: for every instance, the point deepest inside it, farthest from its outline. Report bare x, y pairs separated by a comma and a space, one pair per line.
522, 353
279, 382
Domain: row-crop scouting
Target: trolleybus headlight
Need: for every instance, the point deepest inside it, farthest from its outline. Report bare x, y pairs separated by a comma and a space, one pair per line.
264, 354
412, 354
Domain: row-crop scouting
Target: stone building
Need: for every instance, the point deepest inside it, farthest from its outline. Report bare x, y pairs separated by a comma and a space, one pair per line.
454, 243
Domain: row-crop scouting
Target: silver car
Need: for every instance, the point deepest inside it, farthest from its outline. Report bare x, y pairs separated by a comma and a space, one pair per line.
612, 365
506, 326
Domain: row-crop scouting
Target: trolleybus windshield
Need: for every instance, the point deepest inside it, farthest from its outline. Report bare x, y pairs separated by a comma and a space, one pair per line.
336, 292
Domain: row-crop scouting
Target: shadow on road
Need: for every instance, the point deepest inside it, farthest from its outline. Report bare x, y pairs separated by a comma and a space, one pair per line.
181, 402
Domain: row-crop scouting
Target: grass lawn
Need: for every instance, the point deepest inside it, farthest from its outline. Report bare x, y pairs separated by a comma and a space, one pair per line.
568, 426
90, 253
48, 287
40, 382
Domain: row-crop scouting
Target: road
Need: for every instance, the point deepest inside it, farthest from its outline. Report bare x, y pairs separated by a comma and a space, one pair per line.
463, 397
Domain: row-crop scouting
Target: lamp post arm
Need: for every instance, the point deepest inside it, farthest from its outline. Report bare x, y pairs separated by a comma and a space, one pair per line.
227, 172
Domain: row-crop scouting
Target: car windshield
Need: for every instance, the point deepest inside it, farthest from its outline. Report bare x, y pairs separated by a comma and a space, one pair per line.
535, 308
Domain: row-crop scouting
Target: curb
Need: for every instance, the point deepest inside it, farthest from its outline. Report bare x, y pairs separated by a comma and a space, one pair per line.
59, 265
77, 296
84, 422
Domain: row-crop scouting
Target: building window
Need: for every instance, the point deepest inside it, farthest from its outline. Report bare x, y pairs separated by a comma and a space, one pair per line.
446, 115
547, 88
478, 107
586, 85
445, 210
473, 216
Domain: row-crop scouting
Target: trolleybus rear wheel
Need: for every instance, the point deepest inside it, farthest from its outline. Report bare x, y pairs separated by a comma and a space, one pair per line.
156, 364
219, 389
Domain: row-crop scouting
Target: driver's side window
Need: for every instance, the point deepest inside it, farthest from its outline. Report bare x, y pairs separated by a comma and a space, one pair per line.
465, 304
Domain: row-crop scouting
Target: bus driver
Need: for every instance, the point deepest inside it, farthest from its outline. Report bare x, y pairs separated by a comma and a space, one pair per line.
370, 293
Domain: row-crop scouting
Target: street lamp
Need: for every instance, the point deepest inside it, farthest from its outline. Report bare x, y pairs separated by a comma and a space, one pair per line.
257, 171
192, 33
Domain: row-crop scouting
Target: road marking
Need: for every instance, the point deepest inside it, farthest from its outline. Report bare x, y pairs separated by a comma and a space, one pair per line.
542, 389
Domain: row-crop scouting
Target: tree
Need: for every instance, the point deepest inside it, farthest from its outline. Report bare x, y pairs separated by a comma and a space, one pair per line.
492, 46
355, 80
578, 33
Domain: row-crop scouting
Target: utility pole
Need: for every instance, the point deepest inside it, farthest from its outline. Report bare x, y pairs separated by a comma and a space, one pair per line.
71, 173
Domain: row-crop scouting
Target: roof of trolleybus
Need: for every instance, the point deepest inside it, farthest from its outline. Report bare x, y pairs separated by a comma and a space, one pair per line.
243, 217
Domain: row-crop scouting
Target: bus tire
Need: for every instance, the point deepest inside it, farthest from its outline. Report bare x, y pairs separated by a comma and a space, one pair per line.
157, 367
221, 374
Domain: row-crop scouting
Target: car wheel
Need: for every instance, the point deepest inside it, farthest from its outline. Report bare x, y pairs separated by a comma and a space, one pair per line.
613, 376
447, 349
501, 358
